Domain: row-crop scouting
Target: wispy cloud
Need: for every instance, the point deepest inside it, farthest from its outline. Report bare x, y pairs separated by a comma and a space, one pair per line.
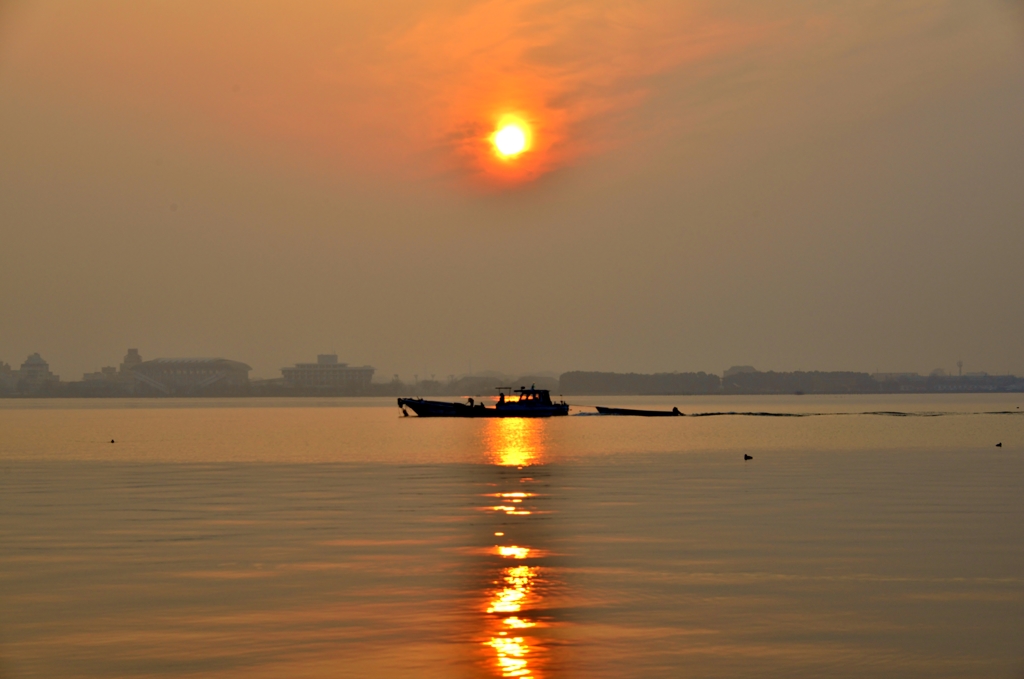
571, 68
399, 88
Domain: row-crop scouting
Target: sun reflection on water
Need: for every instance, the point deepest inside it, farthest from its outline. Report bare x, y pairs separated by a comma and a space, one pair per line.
514, 551
514, 603
515, 441
516, 592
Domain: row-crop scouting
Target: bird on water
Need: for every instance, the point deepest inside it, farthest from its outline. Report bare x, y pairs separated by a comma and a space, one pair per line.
747, 457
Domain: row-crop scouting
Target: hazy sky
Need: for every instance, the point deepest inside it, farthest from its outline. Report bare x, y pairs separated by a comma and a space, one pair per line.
795, 184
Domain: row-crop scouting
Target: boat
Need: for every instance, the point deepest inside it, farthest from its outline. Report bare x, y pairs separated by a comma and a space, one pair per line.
603, 410
530, 402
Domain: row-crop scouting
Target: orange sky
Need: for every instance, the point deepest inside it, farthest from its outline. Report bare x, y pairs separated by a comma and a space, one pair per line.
400, 88
801, 184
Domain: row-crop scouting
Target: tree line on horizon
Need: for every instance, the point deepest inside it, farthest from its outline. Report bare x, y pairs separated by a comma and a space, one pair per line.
755, 382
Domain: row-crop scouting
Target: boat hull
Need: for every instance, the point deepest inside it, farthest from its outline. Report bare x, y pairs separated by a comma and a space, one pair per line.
424, 408
603, 410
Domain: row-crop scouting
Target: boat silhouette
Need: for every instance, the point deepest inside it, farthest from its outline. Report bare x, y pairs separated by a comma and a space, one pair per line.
530, 402
604, 410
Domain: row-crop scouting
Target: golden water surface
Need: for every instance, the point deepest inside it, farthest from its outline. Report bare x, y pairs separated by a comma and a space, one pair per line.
333, 538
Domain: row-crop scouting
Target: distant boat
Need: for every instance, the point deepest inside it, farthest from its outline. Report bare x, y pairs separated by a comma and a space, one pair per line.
602, 410
527, 403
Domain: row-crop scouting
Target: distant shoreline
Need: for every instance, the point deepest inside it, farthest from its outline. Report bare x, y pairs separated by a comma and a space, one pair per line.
721, 394
737, 381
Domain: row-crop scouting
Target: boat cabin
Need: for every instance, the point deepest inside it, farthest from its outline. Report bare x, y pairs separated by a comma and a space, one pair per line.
526, 397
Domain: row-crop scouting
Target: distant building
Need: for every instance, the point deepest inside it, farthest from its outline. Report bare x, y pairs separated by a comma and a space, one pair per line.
131, 359
35, 369
739, 370
123, 376
8, 377
108, 374
188, 376
327, 373
34, 375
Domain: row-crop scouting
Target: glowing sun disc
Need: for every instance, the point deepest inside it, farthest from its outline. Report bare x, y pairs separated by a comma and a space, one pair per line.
510, 140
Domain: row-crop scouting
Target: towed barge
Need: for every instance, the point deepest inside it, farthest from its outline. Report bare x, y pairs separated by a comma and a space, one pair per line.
604, 410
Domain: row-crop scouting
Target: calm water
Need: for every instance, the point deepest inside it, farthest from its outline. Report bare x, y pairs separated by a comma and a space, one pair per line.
334, 538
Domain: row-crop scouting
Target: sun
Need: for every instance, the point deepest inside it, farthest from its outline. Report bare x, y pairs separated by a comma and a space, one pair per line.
511, 138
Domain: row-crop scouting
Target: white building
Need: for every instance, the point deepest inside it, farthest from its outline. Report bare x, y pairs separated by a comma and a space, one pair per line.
33, 376
327, 373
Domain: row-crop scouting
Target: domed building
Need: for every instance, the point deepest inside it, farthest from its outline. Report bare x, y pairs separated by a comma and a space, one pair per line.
189, 376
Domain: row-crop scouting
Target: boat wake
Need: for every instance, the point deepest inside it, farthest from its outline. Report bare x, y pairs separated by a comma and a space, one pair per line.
875, 413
